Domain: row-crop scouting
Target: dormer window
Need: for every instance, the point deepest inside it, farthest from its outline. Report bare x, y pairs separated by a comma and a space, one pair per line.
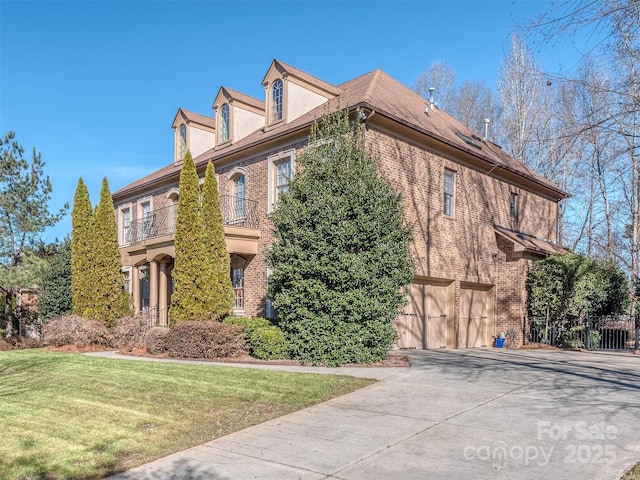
224, 123
277, 97
182, 147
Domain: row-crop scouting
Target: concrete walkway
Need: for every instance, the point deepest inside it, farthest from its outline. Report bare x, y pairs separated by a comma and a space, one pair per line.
455, 414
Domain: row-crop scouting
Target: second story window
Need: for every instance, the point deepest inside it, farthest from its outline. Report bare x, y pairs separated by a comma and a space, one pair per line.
224, 123
513, 206
239, 202
126, 226
277, 97
283, 177
280, 171
147, 219
182, 146
449, 193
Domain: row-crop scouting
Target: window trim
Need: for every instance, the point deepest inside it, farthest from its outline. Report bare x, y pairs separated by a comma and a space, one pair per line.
276, 116
122, 240
127, 280
225, 119
148, 222
513, 206
238, 203
449, 207
182, 141
272, 169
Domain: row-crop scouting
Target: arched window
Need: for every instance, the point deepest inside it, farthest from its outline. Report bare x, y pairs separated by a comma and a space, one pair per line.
239, 198
224, 123
276, 101
182, 148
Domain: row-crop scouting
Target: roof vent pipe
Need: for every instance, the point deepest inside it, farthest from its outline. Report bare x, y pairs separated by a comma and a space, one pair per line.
431, 90
486, 128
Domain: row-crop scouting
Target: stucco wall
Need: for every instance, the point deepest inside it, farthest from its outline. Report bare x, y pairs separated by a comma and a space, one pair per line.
245, 123
200, 141
301, 100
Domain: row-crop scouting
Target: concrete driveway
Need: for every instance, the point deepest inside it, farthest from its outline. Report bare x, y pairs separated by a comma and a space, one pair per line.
455, 414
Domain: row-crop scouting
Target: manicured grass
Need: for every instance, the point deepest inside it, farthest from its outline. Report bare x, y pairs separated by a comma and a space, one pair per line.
70, 416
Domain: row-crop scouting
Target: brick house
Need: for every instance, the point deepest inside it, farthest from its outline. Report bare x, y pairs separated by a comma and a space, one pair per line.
480, 217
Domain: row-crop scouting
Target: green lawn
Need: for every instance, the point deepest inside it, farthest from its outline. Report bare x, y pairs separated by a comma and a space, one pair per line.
70, 416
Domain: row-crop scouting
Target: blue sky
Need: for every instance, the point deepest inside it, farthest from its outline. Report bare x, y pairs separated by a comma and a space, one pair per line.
95, 85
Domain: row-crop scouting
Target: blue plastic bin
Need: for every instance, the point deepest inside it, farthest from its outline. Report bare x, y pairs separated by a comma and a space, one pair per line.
499, 342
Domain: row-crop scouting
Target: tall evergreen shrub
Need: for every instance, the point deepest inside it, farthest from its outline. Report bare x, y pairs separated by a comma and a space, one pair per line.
110, 301
81, 256
220, 291
192, 268
341, 259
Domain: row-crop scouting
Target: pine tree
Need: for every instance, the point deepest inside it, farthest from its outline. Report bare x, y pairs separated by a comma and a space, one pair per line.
220, 290
341, 259
192, 268
110, 301
81, 257
25, 192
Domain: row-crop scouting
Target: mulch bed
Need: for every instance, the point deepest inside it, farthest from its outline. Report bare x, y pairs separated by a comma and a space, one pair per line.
393, 360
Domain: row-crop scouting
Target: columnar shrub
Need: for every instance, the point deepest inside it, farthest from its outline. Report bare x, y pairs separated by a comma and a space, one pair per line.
109, 299
82, 272
192, 270
205, 339
219, 290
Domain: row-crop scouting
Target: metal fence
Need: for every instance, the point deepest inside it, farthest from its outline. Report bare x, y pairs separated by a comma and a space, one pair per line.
236, 211
612, 332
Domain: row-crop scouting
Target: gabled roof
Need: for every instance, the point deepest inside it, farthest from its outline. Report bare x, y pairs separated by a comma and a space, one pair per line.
379, 92
387, 96
231, 95
284, 68
189, 116
528, 244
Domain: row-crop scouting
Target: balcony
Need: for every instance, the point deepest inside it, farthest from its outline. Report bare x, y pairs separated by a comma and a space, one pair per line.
236, 212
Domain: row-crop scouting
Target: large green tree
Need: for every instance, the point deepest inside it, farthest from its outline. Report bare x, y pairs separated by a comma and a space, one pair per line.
54, 296
25, 192
109, 300
341, 261
220, 290
192, 268
576, 285
81, 255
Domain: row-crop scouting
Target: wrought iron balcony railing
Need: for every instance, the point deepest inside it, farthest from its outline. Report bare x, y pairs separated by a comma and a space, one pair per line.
236, 211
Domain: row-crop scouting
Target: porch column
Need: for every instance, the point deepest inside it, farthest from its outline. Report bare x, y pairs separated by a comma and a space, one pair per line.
135, 289
164, 294
153, 289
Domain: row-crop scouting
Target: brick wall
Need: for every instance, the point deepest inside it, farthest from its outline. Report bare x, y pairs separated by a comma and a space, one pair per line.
463, 248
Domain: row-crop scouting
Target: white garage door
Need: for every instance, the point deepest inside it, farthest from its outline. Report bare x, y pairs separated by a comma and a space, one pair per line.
424, 322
